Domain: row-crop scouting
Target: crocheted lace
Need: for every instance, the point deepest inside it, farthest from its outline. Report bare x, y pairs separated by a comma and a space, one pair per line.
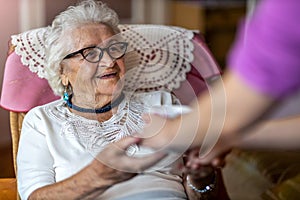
158, 56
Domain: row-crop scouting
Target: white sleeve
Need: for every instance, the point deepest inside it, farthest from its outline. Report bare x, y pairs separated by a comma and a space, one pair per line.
34, 161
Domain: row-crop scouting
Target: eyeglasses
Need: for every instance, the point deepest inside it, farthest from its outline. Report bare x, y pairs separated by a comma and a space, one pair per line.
94, 54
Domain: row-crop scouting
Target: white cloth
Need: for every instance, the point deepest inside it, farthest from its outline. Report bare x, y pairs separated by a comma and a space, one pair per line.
55, 144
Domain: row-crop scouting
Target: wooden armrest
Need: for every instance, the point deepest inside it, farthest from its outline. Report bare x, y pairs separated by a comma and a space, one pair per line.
8, 189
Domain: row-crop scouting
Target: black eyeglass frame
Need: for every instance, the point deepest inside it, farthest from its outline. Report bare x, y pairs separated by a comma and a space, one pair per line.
102, 50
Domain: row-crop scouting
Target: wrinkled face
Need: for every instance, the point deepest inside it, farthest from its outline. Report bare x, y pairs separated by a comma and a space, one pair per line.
92, 80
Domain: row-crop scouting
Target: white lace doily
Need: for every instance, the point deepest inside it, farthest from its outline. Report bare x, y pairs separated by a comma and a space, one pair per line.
158, 56
30, 46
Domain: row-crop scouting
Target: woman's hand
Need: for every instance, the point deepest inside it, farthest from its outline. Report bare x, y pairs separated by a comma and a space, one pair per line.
202, 181
193, 167
217, 154
215, 158
115, 165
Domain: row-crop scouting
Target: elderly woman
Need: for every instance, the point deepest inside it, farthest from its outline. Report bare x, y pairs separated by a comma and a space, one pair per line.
69, 148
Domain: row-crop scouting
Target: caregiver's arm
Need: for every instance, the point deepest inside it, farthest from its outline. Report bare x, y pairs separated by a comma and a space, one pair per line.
281, 134
229, 107
231, 104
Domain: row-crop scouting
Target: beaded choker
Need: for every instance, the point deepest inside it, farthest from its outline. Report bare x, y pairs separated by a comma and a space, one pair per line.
103, 109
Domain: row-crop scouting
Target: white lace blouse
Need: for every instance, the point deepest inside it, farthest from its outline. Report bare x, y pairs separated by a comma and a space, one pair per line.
55, 144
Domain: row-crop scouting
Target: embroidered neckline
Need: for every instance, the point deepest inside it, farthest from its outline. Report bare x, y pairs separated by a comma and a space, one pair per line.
94, 135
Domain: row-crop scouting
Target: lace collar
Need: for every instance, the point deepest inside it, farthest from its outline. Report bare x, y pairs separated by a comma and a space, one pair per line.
94, 135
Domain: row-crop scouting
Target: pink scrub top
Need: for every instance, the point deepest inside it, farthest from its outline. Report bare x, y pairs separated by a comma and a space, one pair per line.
266, 53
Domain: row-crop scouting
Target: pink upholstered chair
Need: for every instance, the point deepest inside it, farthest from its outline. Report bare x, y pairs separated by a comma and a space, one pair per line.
160, 58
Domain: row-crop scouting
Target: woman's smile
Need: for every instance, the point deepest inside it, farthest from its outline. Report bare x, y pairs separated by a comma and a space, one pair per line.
108, 75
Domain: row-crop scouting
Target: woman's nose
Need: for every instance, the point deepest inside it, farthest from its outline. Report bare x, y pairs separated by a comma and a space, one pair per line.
106, 60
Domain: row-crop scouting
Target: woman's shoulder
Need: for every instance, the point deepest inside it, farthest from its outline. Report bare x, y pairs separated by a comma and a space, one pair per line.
40, 110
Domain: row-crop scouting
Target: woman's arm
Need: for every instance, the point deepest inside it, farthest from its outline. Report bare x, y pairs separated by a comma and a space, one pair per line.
94, 179
86, 184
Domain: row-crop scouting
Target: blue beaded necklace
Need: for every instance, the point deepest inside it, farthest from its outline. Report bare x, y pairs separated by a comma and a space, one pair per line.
103, 109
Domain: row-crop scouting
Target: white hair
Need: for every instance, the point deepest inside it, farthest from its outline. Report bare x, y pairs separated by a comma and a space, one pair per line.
88, 11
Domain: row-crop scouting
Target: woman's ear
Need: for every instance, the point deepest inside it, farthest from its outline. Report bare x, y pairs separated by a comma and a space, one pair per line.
63, 75
64, 79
